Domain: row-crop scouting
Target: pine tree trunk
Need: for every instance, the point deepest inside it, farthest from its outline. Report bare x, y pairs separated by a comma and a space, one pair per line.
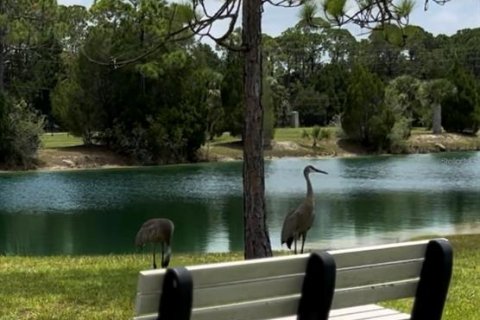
437, 118
257, 241
3, 34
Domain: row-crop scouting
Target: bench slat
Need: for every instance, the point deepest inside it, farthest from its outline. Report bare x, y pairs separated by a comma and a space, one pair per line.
365, 312
380, 273
253, 310
227, 272
374, 293
251, 270
239, 292
379, 254
151, 316
245, 291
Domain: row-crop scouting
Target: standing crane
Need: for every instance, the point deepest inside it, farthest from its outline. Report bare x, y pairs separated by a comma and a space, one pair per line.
299, 221
157, 231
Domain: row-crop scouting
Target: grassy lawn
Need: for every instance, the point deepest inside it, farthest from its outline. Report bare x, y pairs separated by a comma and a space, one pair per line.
60, 139
103, 287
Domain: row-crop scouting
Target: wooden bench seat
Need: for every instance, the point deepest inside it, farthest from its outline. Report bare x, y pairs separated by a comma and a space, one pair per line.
279, 287
370, 311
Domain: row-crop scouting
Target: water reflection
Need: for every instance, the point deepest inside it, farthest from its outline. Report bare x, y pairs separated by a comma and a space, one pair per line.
362, 201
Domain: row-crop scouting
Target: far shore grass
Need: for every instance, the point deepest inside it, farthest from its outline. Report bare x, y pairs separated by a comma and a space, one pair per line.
103, 287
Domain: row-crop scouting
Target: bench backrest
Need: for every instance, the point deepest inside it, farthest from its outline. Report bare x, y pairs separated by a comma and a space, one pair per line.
420, 269
252, 289
279, 287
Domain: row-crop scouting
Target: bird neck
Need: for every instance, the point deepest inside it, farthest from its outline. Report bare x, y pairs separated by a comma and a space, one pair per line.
309, 186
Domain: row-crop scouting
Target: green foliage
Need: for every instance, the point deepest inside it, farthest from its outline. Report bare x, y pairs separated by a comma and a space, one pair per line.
461, 111
366, 118
431, 94
317, 134
335, 8
404, 8
331, 82
401, 95
154, 109
398, 134
82, 100
20, 131
311, 106
232, 89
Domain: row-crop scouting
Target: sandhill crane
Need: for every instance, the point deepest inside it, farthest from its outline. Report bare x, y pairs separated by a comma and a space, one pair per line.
157, 231
299, 221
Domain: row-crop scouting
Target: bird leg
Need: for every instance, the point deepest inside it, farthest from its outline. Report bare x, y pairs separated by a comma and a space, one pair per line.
295, 243
304, 235
154, 264
163, 250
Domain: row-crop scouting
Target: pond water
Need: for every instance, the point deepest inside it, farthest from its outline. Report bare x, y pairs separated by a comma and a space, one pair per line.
362, 200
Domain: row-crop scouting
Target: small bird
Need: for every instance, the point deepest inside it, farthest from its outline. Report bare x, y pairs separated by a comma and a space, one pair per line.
157, 231
299, 221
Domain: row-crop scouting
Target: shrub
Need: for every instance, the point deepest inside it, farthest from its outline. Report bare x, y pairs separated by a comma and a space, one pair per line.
20, 131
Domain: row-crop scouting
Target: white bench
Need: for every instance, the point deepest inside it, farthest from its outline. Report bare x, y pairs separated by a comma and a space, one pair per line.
301, 286
252, 289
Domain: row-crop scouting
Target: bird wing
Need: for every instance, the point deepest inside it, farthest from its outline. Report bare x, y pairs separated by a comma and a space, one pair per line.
147, 233
289, 225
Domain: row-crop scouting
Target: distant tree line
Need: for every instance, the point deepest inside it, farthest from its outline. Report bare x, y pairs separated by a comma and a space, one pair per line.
168, 102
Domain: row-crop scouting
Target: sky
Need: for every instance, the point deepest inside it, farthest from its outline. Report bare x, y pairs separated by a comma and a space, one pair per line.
447, 19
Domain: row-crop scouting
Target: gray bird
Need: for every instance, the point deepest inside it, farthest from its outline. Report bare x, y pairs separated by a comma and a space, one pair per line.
300, 220
157, 231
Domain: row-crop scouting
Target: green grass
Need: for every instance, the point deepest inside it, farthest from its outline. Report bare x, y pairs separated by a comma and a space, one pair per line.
103, 287
60, 139
93, 287
463, 300
295, 134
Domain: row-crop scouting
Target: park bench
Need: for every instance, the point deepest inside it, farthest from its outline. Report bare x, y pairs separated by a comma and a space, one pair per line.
302, 285
252, 289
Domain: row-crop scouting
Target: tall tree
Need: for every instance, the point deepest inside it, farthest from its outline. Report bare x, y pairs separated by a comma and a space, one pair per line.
29, 61
366, 118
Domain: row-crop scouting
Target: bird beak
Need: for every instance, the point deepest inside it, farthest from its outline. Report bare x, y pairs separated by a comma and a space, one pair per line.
320, 171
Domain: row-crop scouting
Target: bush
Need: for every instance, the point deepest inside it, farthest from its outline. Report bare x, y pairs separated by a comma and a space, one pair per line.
397, 137
366, 118
20, 131
317, 135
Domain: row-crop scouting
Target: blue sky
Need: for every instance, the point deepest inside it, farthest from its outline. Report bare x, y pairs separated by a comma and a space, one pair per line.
447, 19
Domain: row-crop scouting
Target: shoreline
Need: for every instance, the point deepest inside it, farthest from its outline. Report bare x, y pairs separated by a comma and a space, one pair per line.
79, 157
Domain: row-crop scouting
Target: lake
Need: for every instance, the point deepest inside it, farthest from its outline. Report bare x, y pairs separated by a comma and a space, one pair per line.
363, 200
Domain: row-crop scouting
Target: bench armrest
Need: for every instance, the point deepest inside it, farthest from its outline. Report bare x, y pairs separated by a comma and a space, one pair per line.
176, 298
318, 287
434, 281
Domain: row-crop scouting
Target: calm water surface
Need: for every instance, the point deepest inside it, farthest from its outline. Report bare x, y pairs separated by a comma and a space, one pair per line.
362, 201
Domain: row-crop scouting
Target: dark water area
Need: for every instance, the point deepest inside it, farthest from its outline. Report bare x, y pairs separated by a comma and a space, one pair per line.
363, 200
